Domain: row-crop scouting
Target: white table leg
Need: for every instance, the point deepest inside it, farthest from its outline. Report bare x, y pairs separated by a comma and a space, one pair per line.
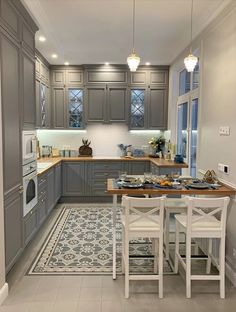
114, 208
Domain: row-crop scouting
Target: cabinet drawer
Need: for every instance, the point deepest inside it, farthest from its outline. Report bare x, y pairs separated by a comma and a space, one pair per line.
42, 179
107, 166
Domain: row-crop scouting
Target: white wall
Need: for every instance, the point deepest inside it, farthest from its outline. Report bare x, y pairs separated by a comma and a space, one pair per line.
104, 138
217, 106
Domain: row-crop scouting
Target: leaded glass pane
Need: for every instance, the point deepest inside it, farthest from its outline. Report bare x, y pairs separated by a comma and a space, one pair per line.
137, 108
75, 108
43, 104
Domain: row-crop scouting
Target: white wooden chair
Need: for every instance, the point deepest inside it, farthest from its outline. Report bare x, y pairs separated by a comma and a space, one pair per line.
143, 218
205, 218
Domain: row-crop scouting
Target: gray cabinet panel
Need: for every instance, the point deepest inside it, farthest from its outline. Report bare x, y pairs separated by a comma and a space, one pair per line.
159, 77
50, 195
37, 67
29, 111
157, 108
96, 103
28, 38
138, 167
10, 114
58, 77
13, 229
9, 18
58, 100
74, 77
117, 104
41, 210
43, 72
30, 225
58, 182
38, 104
48, 108
139, 78
96, 76
73, 175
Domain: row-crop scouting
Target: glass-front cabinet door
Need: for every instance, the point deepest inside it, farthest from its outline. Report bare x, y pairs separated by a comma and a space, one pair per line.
137, 108
43, 104
75, 108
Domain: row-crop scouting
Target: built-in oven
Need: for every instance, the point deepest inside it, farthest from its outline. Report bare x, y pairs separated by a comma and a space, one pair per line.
29, 146
30, 187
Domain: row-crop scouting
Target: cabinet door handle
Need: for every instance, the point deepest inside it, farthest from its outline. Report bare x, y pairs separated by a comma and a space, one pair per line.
21, 189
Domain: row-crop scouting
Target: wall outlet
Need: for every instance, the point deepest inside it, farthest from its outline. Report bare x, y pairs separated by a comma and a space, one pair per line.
226, 169
224, 130
221, 167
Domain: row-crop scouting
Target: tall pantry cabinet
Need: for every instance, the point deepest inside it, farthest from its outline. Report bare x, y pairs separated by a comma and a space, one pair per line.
17, 31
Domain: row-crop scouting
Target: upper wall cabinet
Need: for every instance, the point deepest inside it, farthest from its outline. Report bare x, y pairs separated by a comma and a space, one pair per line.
105, 76
9, 19
152, 76
69, 77
27, 36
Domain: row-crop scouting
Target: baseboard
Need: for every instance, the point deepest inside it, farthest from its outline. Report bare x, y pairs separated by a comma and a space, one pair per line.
230, 274
3, 293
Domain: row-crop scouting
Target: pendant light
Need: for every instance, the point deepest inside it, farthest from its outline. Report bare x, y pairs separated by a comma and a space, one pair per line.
191, 60
133, 59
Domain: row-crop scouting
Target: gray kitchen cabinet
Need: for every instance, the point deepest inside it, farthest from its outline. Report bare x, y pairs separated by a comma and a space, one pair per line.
99, 172
38, 104
117, 103
58, 77
157, 109
29, 107
57, 182
58, 107
27, 36
113, 75
30, 225
74, 77
75, 108
148, 108
155, 76
159, 77
73, 178
43, 108
42, 193
96, 109
37, 67
106, 103
140, 77
13, 229
50, 195
154, 169
138, 167
9, 19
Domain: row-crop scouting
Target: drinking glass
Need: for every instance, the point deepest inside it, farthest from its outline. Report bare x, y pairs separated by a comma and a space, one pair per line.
122, 175
147, 177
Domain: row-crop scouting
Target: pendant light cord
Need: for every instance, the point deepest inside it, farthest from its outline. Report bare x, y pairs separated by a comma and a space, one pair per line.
191, 27
133, 24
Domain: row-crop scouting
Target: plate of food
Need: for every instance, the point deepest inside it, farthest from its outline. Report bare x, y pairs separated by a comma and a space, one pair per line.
132, 185
199, 186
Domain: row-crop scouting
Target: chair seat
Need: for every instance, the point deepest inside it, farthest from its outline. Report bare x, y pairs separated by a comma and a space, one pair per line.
212, 224
142, 224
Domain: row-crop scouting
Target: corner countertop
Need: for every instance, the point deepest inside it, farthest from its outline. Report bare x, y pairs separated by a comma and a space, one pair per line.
52, 161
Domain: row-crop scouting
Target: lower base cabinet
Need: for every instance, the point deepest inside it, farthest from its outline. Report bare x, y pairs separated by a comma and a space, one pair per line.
50, 195
73, 178
30, 225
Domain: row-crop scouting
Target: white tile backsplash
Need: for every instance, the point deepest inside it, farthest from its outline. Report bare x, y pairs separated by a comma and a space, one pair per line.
104, 138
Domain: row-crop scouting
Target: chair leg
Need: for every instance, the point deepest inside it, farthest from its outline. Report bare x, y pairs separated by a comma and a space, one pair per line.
188, 266
160, 266
155, 253
126, 250
176, 247
167, 234
208, 266
222, 267
123, 252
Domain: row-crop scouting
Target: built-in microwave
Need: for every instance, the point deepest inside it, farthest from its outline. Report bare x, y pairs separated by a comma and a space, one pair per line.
29, 146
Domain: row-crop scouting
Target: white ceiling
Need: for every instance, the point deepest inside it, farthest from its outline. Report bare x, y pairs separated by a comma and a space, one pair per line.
98, 31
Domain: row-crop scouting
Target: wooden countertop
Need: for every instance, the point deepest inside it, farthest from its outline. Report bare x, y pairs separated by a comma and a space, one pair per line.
157, 161
223, 190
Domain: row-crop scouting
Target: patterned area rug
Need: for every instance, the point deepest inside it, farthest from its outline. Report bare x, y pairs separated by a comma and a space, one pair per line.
80, 242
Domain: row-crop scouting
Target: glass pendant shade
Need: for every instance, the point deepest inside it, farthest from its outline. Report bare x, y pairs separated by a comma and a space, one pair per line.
133, 61
190, 62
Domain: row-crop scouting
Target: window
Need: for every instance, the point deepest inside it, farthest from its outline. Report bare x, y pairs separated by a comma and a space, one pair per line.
187, 118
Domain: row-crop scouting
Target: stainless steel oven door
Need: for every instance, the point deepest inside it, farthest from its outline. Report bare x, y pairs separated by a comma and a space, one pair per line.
30, 195
29, 146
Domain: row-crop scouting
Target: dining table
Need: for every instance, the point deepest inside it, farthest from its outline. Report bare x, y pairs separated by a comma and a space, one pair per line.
116, 189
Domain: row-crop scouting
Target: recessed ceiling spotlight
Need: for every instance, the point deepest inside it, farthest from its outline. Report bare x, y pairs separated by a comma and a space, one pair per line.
147, 63
54, 55
107, 63
42, 38
66, 63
